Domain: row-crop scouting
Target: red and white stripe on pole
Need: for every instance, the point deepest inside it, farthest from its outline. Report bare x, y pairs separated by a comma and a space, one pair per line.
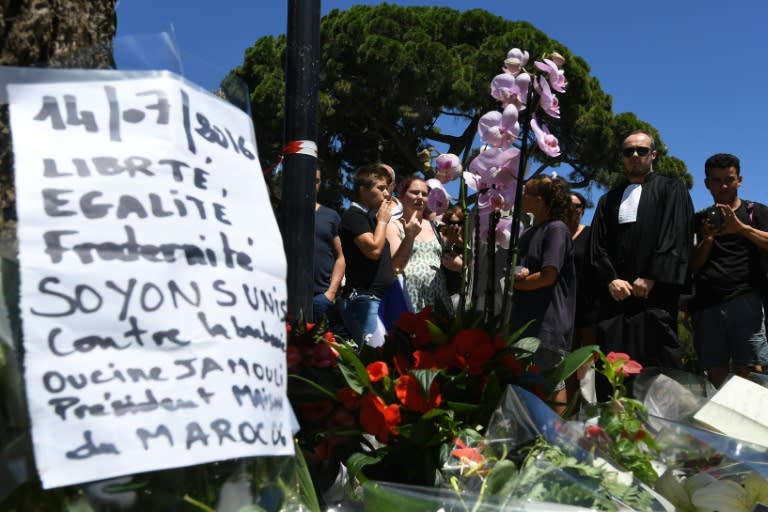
300, 147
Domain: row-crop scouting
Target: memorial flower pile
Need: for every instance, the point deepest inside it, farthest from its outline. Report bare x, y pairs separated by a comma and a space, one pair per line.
393, 413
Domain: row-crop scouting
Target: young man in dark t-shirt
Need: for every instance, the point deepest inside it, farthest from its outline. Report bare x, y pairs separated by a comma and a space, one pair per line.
368, 262
728, 317
329, 257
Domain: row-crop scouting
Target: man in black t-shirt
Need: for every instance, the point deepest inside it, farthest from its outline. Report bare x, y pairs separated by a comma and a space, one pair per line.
329, 258
368, 262
728, 317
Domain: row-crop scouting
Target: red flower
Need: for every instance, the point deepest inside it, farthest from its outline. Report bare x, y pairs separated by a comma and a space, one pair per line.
377, 418
377, 371
402, 364
474, 348
627, 367
415, 324
293, 356
310, 326
324, 448
467, 454
314, 411
594, 430
423, 360
513, 364
630, 368
341, 416
442, 357
612, 357
329, 337
411, 395
349, 397
323, 356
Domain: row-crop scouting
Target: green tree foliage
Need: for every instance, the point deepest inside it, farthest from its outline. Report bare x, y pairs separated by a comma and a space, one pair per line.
389, 74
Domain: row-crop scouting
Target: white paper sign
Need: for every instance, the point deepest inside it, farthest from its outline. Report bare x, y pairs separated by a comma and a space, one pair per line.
152, 279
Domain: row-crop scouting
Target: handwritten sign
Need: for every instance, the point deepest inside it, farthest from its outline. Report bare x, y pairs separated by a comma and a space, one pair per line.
153, 279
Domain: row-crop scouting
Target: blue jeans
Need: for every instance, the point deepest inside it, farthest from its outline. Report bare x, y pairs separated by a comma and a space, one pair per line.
360, 313
731, 331
320, 306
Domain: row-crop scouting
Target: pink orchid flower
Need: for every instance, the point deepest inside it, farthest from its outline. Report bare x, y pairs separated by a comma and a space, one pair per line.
515, 61
547, 101
494, 177
496, 165
447, 167
504, 232
555, 75
499, 129
510, 89
438, 198
547, 142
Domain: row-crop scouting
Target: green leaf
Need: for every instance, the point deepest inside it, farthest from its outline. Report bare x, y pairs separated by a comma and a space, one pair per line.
306, 487
436, 333
425, 378
461, 407
514, 337
378, 497
571, 363
315, 385
357, 461
502, 475
489, 399
353, 370
528, 344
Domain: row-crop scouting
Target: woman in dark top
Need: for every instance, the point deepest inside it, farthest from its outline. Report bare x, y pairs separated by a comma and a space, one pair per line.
586, 300
545, 287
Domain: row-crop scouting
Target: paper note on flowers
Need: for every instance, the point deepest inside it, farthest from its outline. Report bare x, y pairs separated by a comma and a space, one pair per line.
153, 279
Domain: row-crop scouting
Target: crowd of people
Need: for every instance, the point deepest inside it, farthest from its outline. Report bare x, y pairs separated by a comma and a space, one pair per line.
617, 283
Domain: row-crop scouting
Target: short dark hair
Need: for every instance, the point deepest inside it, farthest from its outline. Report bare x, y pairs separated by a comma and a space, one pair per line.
722, 161
643, 132
584, 201
366, 174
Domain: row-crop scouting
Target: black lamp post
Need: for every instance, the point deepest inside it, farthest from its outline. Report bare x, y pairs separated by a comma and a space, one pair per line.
297, 207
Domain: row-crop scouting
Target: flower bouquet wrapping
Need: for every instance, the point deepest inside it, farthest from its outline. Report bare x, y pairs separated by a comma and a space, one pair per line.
705, 470
545, 459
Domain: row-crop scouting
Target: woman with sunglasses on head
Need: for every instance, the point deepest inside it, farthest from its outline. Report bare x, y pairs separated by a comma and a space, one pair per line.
417, 250
545, 286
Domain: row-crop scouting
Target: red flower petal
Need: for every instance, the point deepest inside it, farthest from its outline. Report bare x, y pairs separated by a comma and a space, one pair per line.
377, 371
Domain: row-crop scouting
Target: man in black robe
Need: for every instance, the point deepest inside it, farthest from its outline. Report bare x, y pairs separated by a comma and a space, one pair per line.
642, 240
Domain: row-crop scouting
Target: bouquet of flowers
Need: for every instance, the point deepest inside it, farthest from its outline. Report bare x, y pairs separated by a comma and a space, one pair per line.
393, 413
530, 453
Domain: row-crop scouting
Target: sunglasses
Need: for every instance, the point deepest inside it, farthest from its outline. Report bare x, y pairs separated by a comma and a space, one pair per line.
640, 150
453, 222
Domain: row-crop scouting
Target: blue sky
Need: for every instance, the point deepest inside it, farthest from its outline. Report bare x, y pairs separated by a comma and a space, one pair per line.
694, 70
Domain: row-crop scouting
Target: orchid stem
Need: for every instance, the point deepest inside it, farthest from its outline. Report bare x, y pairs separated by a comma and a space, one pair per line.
514, 238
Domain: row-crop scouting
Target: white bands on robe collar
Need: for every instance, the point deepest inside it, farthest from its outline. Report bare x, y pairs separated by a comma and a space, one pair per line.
629, 203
